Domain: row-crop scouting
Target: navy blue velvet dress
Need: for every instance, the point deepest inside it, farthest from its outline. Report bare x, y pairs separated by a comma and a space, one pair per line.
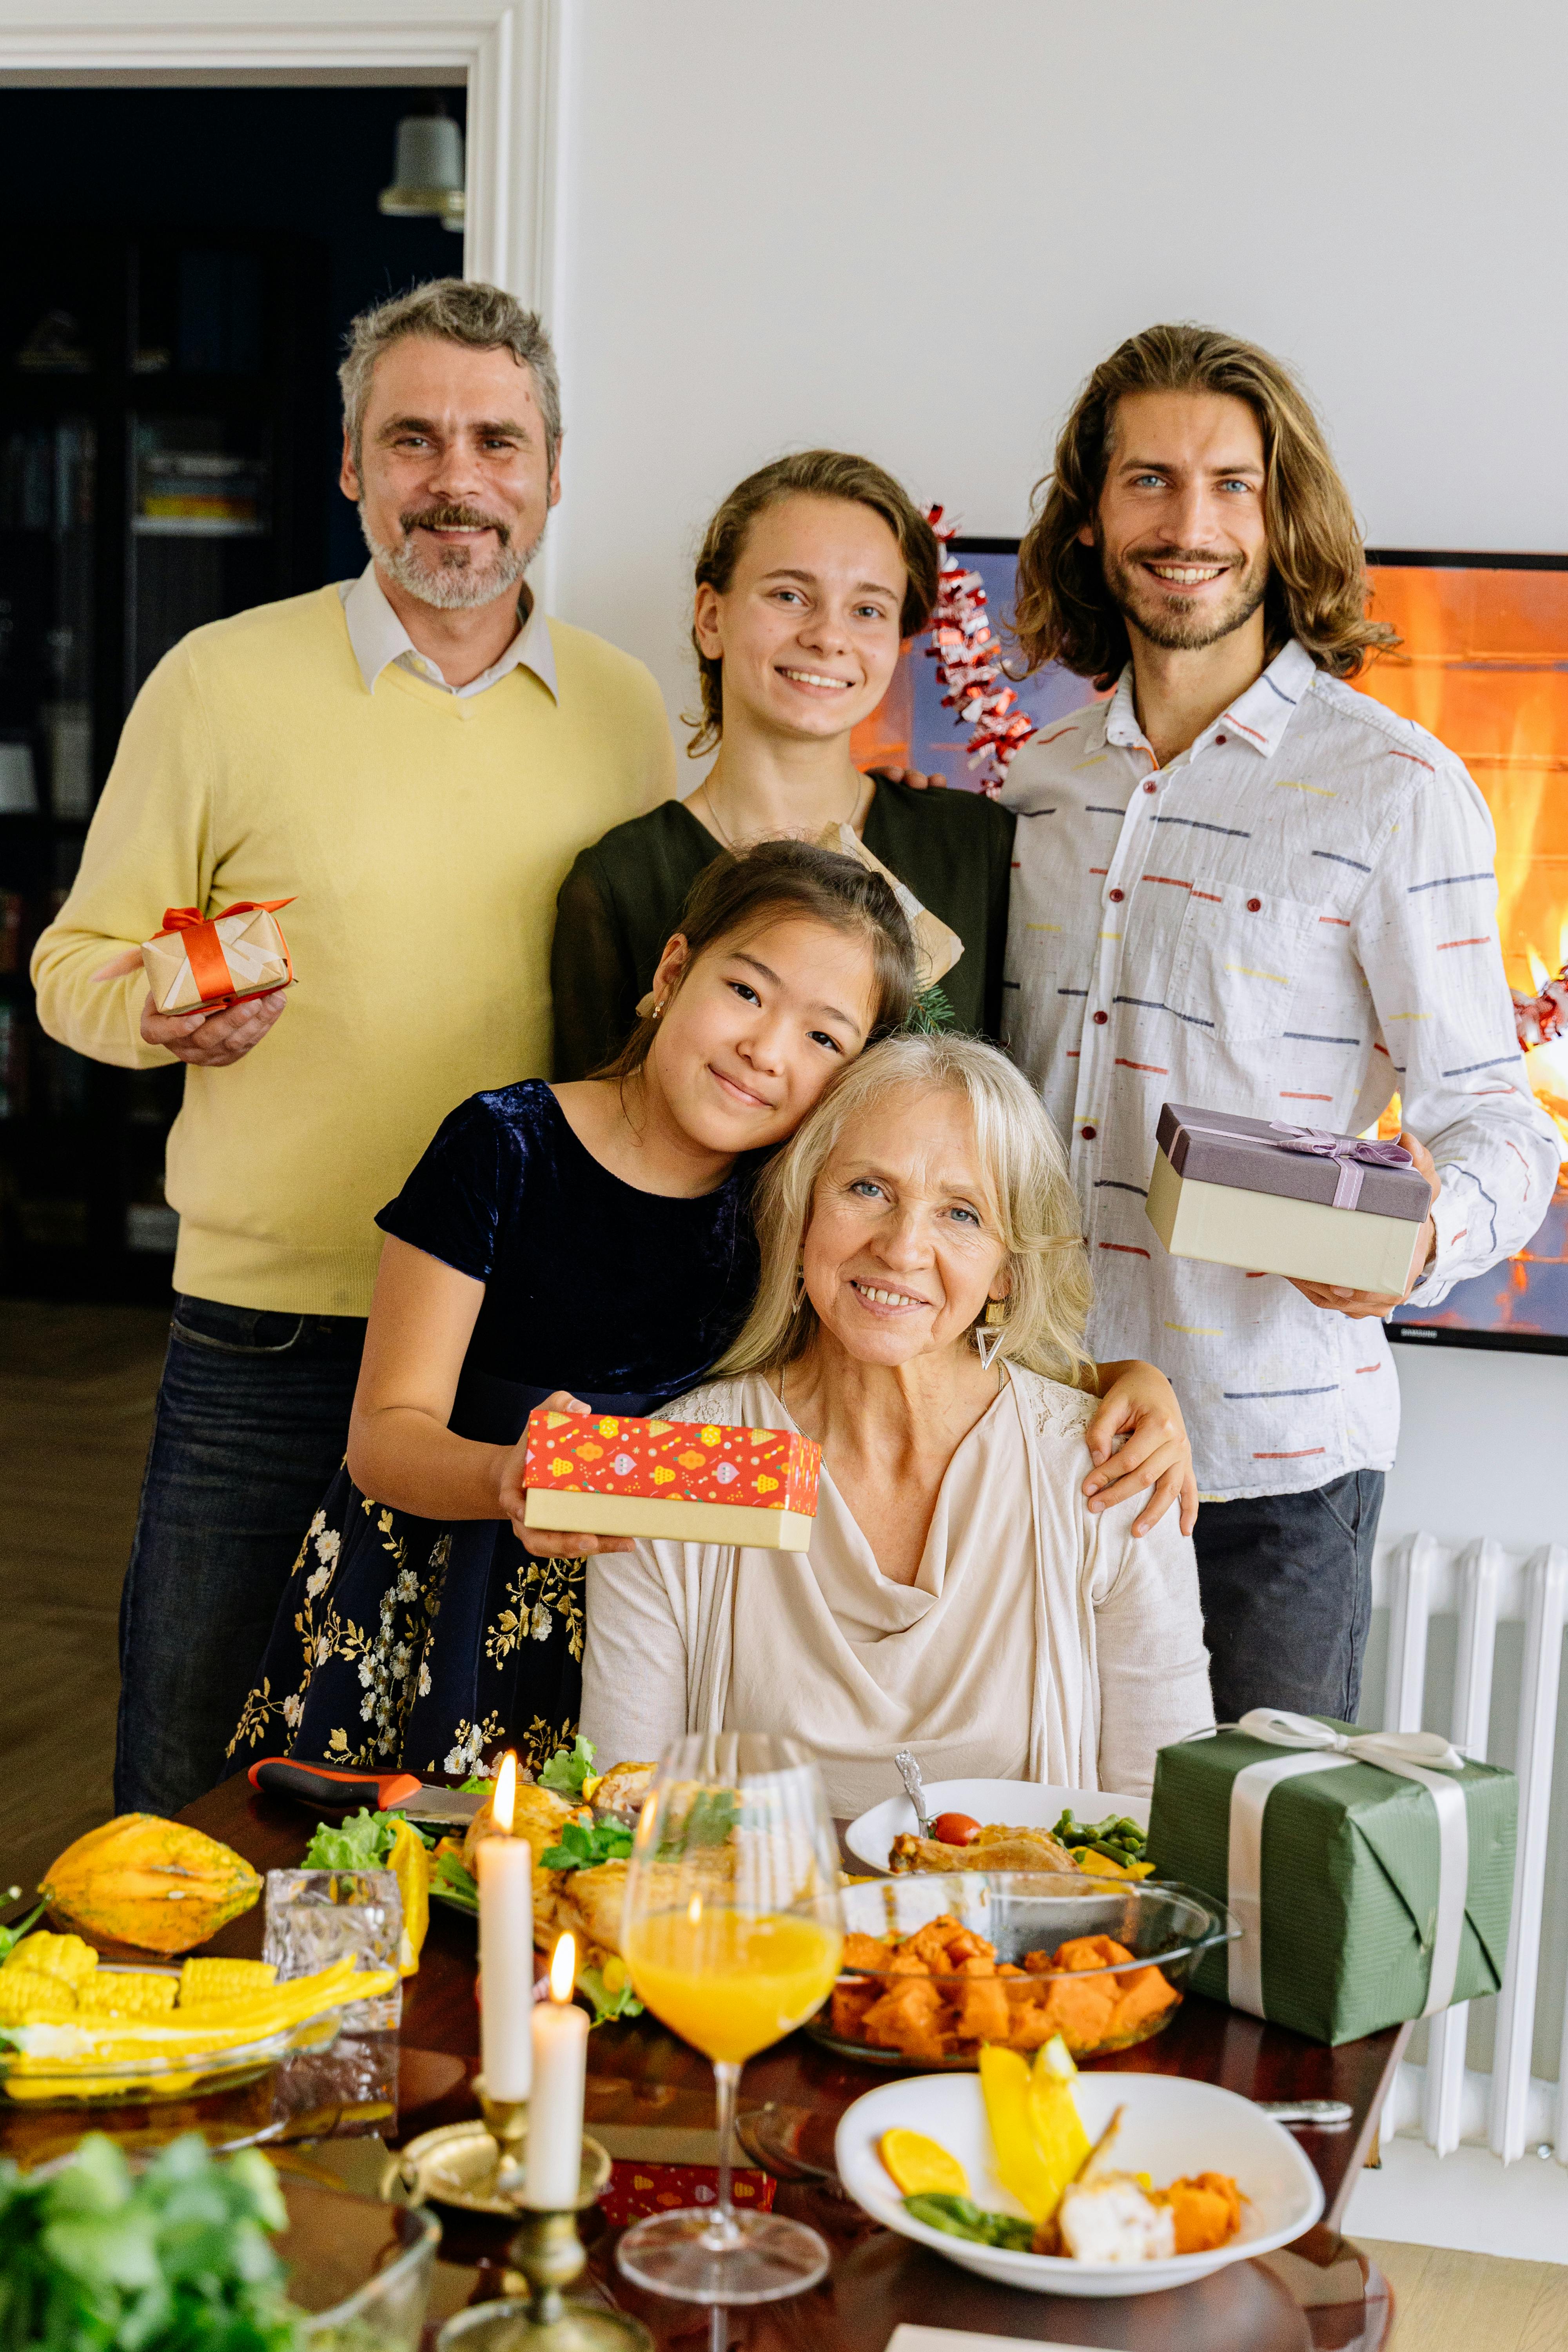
399, 1643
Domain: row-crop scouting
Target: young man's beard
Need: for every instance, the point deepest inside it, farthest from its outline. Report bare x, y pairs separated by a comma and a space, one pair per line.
450, 578
1168, 622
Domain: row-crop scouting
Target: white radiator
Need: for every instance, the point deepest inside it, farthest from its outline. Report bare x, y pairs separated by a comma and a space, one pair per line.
1421, 1583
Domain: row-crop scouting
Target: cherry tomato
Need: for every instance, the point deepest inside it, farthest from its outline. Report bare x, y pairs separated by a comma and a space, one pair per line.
955, 1829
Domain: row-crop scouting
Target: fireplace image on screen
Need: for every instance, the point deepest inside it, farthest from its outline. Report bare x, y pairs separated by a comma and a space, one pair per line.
1484, 665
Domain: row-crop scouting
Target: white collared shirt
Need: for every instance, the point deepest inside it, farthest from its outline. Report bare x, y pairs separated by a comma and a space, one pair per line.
378, 638
1296, 919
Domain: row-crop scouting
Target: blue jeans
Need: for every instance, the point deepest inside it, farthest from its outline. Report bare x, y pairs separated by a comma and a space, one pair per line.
252, 1420
1286, 1585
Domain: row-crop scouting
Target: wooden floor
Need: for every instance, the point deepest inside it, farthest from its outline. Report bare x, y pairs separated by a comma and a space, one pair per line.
1472, 2303
77, 1386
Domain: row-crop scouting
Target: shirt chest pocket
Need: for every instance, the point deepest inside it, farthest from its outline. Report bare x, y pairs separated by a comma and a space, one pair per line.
1238, 960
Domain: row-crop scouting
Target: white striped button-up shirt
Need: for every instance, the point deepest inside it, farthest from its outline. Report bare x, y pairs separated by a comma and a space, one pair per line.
1295, 920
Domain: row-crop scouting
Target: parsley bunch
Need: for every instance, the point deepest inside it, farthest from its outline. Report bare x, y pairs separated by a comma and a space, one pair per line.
173, 2258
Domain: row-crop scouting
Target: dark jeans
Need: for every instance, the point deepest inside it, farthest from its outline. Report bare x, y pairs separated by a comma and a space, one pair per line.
1286, 1583
252, 1420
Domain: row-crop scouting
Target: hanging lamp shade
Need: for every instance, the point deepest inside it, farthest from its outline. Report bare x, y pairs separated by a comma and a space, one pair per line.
428, 178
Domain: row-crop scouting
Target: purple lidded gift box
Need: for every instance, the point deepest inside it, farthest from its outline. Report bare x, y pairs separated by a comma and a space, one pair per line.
1278, 1198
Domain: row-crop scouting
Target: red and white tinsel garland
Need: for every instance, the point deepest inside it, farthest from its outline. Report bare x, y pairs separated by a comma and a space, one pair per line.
968, 656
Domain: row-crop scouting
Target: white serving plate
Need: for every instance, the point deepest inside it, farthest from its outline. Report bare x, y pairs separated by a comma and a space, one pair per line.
1022, 1805
1172, 2126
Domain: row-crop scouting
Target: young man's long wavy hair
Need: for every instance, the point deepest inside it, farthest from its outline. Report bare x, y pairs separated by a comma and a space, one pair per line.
1317, 567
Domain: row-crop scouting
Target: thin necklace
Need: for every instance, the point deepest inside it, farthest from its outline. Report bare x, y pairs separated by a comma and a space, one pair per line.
723, 833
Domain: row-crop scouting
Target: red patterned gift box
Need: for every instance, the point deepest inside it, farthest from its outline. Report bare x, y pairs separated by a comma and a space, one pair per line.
637, 2190
697, 1482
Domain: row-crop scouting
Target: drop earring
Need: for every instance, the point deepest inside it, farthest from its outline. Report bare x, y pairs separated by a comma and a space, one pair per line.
988, 1334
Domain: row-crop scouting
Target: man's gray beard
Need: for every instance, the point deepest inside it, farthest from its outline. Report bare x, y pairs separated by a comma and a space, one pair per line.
1173, 631
452, 585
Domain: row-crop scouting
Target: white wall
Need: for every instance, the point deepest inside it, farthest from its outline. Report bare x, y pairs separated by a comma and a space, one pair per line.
912, 227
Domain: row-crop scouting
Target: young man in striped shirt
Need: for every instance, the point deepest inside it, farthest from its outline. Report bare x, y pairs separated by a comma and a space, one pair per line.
1241, 883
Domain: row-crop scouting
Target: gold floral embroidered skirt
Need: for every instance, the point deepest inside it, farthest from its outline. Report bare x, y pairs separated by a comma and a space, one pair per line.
403, 1645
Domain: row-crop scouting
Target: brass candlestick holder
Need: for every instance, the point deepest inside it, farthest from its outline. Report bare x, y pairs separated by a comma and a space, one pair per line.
505, 2120
549, 2255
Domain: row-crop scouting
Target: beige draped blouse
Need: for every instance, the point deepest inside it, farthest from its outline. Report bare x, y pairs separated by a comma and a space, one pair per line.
1037, 1641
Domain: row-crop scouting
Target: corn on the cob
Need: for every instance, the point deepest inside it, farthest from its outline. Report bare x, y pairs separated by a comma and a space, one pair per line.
204, 1981
126, 1992
29, 1996
56, 1956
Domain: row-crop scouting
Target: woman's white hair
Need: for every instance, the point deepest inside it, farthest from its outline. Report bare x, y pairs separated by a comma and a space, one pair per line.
1034, 1210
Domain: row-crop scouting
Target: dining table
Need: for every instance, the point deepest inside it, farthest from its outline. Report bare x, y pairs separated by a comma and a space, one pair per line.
649, 2101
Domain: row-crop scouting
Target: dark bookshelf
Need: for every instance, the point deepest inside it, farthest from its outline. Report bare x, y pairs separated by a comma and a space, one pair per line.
154, 409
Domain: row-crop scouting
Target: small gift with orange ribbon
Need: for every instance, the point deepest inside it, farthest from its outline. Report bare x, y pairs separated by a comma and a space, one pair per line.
614, 1473
204, 964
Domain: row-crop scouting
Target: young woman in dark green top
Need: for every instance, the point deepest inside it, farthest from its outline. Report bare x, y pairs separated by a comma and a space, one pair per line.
812, 573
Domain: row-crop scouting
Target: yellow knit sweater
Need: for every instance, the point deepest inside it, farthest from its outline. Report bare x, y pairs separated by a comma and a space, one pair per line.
423, 839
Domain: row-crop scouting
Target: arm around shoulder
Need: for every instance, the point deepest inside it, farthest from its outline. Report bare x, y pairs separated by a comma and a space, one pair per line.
1149, 1642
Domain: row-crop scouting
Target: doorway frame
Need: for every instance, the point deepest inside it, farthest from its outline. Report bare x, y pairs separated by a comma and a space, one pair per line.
509, 53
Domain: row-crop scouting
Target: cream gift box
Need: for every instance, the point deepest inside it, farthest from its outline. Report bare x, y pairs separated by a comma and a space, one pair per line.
198, 963
1276, 1198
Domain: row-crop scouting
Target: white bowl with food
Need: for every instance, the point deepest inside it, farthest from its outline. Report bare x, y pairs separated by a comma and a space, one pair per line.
1014, 1804
1172, 2129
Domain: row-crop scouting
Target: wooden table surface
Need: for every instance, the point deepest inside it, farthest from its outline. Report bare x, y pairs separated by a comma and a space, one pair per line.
649, 2092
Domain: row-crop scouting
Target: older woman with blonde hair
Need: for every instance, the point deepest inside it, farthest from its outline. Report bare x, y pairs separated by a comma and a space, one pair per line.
920, 1314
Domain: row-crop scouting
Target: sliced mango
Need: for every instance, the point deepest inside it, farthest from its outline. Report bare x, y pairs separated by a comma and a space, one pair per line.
1020, 2168
1060, 2140
922, 2167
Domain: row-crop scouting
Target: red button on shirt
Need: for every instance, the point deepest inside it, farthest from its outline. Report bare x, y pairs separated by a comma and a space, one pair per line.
1087, 1133
1102, 1018
1151, 786
1255, 906
1117, 896
1219, 738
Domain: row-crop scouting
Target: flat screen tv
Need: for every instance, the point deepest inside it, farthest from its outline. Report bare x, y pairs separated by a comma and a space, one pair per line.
1484, 665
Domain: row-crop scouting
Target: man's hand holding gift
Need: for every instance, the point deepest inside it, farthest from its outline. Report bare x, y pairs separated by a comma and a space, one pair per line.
1360, 1304
208, 1040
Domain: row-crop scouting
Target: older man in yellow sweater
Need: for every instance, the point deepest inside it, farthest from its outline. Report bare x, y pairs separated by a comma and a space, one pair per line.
415, 760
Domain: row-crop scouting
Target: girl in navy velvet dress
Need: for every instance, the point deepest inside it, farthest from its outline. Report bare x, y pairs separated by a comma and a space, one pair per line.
587, 1245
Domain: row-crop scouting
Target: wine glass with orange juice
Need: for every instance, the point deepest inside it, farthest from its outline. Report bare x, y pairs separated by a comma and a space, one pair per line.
731, 1934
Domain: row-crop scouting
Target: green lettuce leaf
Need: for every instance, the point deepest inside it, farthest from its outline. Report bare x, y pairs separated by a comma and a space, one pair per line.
569, 1768
583, 1844
361, 1842
607, 2005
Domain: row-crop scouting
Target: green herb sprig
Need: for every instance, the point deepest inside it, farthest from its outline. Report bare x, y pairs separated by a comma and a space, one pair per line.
583, 1844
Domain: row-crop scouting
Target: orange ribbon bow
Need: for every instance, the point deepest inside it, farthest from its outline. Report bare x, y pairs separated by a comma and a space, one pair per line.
209, 965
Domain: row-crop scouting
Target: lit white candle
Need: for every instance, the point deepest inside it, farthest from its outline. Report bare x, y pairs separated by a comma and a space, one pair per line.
555, 2108
504, 1865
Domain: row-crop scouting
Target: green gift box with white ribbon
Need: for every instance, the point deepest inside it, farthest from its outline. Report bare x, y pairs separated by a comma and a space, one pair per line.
1371, 1874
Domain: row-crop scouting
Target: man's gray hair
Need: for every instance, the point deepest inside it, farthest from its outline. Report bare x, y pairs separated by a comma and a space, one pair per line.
451, 310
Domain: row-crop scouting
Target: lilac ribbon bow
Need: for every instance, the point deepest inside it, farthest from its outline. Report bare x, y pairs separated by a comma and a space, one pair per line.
1351, 1152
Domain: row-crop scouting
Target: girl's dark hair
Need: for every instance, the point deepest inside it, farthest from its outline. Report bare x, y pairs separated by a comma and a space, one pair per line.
777, 879
811, 474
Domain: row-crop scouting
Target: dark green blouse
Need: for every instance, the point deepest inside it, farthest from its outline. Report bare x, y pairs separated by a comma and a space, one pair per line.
623, 899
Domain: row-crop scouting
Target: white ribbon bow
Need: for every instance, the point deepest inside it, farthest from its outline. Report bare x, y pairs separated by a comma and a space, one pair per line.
1423, 1756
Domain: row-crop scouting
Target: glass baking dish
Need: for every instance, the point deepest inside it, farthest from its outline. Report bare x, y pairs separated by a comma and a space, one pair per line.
1131, 1951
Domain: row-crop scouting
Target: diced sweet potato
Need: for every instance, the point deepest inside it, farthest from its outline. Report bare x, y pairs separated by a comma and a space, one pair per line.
1080, 2008
850, 2003
1008, 1969
911, 2017
1206, 2210
928, 1945
967, 1946
1029, 2025
981, 2005
1141, 1993
1039, 1964
905, 1963
864, 1952
1090, 1952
